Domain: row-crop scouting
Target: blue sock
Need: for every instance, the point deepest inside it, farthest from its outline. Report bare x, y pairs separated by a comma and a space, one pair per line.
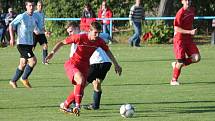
96, 99
45, 53
27, 72
17, 75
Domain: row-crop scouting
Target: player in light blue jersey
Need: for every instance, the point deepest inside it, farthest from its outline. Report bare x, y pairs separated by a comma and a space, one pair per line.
25, 25
41, 38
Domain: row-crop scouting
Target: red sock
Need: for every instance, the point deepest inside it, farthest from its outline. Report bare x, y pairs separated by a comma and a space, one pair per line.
69, 100
188, 61
176, 73
79, 91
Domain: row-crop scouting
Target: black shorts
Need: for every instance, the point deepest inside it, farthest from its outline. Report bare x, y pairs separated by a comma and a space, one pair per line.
98, 71
41, 38
25, 51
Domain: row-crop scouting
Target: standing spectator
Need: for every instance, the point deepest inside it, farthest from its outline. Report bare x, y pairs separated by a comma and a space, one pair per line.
26, 25
2, 27
136, 16
41, 38
186, 51
77, 66
9, 17
88, 16
105, 12
88, 12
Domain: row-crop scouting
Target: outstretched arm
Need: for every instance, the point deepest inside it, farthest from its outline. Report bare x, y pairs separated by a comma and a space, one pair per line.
118, 69
54, 50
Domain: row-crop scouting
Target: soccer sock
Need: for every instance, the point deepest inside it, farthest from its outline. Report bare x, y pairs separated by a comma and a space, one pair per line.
45, 53
17, 75
96, 99
79, 90
187, 61
70, 99
27, 72
176, 73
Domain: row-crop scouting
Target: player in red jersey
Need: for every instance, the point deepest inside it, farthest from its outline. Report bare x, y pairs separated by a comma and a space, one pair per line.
185, 50
77, 66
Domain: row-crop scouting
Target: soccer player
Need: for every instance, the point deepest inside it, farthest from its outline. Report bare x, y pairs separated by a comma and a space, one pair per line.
25, 25
186, 51
41, 38
77, 66
100, 64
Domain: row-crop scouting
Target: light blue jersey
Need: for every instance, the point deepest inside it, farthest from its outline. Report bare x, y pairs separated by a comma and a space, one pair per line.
40, 21
25, 26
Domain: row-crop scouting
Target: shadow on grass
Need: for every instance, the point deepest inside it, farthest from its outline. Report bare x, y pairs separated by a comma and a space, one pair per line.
4, 80
185, 109
47, 106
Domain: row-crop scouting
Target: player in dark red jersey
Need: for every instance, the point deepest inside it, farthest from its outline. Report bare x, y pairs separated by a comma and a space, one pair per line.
77, 66
185, 50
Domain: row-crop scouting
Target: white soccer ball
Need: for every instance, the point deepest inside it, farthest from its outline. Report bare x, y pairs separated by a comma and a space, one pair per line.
127, 110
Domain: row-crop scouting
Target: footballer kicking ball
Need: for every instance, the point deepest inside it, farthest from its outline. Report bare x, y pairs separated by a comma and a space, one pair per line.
127, 110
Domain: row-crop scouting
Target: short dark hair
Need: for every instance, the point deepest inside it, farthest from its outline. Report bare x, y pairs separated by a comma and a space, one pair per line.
71, 24
29, 1
96, 25
40, 1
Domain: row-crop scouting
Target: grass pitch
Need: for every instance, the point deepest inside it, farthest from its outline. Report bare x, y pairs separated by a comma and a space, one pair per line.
144, 83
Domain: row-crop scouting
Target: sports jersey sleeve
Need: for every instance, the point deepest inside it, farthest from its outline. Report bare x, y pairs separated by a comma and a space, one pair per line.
72, 39
17, 20
103, 45
177, 21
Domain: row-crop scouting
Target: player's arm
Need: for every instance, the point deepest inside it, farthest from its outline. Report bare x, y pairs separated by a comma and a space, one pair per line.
12, 38
118, 68
57, 46
183, 31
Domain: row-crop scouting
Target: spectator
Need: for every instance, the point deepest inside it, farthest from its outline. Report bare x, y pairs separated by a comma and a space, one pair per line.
136, 16
105, 12
2, 26
88, 12
9, 17
88, 16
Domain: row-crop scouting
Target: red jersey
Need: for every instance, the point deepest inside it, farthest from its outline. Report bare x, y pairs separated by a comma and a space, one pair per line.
184, 19
85, 48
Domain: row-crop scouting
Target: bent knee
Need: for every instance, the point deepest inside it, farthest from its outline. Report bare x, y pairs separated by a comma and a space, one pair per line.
196, 58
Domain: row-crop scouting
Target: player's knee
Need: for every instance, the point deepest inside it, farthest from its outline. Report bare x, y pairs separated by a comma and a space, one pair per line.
196, 58
179, 63
45, 46
32, 62
97, 85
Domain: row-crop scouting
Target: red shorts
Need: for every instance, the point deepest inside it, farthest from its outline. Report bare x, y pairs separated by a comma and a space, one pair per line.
183, 48
71, 69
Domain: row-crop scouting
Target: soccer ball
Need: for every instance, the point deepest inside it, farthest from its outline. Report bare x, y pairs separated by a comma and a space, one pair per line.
127, 110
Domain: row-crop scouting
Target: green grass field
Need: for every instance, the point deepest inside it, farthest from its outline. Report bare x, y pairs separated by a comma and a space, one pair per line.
144, 83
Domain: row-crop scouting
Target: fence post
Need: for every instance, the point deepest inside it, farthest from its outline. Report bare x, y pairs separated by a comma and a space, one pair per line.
213, 32
111, 26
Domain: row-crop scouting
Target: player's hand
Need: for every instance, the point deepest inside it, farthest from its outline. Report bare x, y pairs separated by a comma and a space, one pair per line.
49, 57
48, 34
193, 32
12, 43
118, 70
